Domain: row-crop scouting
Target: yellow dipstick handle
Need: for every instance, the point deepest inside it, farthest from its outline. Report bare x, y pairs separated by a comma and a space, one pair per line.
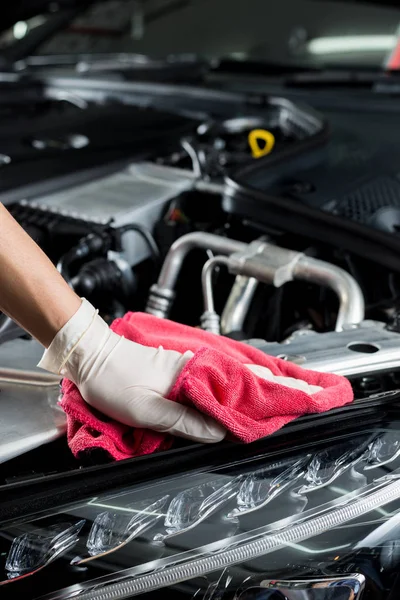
261, 135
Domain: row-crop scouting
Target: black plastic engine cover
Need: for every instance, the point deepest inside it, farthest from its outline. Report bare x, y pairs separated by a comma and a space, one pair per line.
40, 138
346, 193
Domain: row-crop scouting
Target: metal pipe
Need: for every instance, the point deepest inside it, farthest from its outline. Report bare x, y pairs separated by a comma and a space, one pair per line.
241, 296
277, 266
191, 151
162, 293
209, 187
351, 299
179, 249
238, 304
271, 265
210, 319
206, 283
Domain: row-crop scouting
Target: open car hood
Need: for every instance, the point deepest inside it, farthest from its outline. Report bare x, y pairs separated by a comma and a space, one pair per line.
19, 10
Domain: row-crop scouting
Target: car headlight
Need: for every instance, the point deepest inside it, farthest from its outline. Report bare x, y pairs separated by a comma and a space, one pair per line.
316, 526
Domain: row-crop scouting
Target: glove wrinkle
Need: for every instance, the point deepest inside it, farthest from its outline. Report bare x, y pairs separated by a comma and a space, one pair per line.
163, 377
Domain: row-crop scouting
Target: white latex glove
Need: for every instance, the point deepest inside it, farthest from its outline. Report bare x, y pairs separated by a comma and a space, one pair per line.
291, 382
124, 380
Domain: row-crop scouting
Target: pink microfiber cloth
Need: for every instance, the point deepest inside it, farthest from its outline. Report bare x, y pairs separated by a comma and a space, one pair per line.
215, 381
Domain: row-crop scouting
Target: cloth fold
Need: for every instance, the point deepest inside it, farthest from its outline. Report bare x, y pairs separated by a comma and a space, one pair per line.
215, 381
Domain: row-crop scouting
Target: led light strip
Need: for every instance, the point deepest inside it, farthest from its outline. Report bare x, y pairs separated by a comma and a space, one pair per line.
344, 44
247, 551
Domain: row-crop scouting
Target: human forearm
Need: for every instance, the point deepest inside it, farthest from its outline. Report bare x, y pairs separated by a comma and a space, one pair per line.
32, 292
126, 381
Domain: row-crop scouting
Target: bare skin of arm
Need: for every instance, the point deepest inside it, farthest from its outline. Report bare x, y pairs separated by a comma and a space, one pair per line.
32, 292
124, 380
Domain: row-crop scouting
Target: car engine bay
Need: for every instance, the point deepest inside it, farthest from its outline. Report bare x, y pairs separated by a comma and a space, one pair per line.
196, 215
204, 173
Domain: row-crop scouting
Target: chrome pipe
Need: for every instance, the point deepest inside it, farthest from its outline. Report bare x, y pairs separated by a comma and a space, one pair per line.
351, 299
162, 293
210, 320
276, 266
238, 304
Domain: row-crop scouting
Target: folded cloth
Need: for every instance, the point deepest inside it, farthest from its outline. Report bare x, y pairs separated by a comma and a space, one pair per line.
217, 381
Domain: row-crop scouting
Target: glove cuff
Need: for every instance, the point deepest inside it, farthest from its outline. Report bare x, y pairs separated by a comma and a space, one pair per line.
67, 338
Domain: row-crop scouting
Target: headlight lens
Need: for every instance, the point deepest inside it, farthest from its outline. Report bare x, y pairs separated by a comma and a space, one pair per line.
306, 527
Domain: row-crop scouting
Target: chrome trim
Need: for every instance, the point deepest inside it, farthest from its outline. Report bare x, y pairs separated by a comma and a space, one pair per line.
355, 582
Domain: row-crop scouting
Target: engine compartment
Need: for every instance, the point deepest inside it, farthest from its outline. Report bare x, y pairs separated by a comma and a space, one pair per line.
163, 232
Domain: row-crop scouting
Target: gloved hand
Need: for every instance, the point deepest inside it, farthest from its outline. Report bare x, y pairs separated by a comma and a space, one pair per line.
124, 380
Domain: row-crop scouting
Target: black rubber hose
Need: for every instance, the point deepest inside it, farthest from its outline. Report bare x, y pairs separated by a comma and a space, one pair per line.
89, 245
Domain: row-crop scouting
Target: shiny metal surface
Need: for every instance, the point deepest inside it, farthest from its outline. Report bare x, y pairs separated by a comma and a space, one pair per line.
29, 418
354, 583
238, 304
8, 329
258, 261
351, 299
366, 349
162, 293
270, 264
277, 266
241, 296
18, 360
29, 413
136, 194
210, 319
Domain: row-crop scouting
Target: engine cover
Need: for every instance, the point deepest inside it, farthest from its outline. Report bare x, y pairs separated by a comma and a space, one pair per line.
137, 194
367, 349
